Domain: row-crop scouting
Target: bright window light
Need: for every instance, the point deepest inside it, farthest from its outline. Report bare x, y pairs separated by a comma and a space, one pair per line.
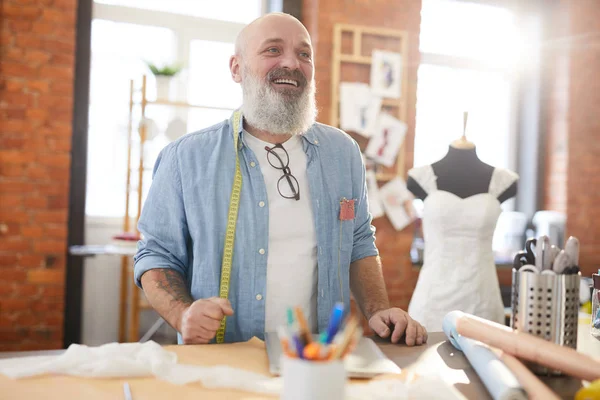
242, 11
475, 31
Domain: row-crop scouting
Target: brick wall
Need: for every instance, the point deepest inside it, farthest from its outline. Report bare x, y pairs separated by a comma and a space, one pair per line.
319, 17
575, 126
37, 54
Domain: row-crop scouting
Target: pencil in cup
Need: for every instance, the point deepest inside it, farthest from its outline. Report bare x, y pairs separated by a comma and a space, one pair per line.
295, 344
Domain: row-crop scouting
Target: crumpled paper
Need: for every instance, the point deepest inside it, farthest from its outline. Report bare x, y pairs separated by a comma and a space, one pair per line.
124, 360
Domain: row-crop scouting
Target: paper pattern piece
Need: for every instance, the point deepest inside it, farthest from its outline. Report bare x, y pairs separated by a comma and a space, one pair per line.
375, 204
359, 108
386, 74
385, 143
394, 195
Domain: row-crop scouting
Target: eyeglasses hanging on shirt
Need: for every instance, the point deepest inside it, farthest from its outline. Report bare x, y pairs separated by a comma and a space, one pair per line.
279, 159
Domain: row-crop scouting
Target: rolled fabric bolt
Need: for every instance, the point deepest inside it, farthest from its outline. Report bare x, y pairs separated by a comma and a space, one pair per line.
499, 380
526, 346
535, 388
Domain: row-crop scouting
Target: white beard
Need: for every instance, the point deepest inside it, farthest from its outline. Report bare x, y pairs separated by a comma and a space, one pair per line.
274, 112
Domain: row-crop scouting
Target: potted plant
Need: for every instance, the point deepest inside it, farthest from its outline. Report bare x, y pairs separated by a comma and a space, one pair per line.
164, 75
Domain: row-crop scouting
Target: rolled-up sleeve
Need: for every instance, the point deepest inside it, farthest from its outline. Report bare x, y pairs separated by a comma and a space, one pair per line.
162, 224
364, 232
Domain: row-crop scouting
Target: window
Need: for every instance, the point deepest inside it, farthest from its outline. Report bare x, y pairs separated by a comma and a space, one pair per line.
468, 51
118, 54
122, 42
225, 10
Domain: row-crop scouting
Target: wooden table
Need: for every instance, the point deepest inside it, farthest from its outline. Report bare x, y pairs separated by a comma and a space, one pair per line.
437, 355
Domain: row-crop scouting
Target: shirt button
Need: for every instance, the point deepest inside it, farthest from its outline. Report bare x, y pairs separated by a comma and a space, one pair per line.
261, 204
252, 164
259, 297
316, 141
262, 251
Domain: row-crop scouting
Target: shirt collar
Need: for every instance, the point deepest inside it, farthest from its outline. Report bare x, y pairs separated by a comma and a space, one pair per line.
310, 136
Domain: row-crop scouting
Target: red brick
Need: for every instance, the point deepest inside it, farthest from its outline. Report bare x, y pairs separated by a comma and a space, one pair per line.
46, 276
10, 201
12, 170
62, 88
17, 99
27, 290
55, 160
31, 261
59, 144
16, 157
19, 26
13, 84
37, 57
53, 217
20, 12
56, 72
15, 126
13, 275
59, 202
60, 46
15, 304
32, 231
63, 59
58, 16
13, 54
19, 216
9, 335
54, 319
7, 289
37, 114
51, 189
15, 113
49, 246
29, 41
54, 291
15, 244
36, 172
8, 260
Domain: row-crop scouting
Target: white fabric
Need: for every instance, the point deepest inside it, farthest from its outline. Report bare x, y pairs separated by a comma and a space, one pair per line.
459, 272
125, 360
425, 177
292, 251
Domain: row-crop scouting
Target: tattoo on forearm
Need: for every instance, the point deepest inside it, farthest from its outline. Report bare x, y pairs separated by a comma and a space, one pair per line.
173, 284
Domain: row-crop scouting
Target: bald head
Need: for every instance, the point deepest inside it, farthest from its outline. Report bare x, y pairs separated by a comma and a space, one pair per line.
251, 35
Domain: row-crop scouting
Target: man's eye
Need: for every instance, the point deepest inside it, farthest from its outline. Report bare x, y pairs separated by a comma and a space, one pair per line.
305, 55
273, 50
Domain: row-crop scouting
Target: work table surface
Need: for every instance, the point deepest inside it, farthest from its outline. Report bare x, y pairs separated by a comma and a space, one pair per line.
437, 355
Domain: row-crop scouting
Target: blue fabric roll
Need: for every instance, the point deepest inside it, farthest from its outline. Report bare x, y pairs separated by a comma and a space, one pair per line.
496, 376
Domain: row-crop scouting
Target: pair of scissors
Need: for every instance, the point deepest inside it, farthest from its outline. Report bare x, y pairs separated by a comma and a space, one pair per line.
527, 256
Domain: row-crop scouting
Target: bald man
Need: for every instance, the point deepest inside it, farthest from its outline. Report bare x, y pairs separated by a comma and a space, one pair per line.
303, 235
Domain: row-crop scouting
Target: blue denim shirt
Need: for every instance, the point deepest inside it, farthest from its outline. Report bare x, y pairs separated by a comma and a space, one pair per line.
184, 218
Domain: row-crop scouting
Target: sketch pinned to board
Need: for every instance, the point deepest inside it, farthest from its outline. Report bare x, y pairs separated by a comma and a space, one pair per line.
359, 108
374, 197
386, 73
388, 136
394, 195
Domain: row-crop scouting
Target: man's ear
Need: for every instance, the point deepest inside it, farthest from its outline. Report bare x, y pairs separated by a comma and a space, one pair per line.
234, 67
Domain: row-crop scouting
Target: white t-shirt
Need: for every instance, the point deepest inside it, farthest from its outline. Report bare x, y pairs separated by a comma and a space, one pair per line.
292, 255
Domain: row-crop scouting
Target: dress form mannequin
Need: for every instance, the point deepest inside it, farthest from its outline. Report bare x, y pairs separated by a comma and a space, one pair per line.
462, 197
461, 172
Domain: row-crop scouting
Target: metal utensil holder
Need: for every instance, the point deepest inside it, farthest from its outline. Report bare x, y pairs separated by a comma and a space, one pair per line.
546, 306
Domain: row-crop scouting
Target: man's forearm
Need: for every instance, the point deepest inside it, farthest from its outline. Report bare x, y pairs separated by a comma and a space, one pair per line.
168, 294
368, 286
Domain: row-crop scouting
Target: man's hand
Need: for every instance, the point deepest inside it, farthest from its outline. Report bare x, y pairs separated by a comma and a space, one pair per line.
401, 323
201, 319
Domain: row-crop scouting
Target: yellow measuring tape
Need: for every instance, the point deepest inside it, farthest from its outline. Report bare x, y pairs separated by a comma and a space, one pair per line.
234, 204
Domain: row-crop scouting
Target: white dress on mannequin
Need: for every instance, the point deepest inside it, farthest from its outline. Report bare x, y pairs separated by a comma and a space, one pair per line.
459, 272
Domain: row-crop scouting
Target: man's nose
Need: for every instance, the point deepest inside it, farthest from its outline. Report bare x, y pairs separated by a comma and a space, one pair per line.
290, 61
